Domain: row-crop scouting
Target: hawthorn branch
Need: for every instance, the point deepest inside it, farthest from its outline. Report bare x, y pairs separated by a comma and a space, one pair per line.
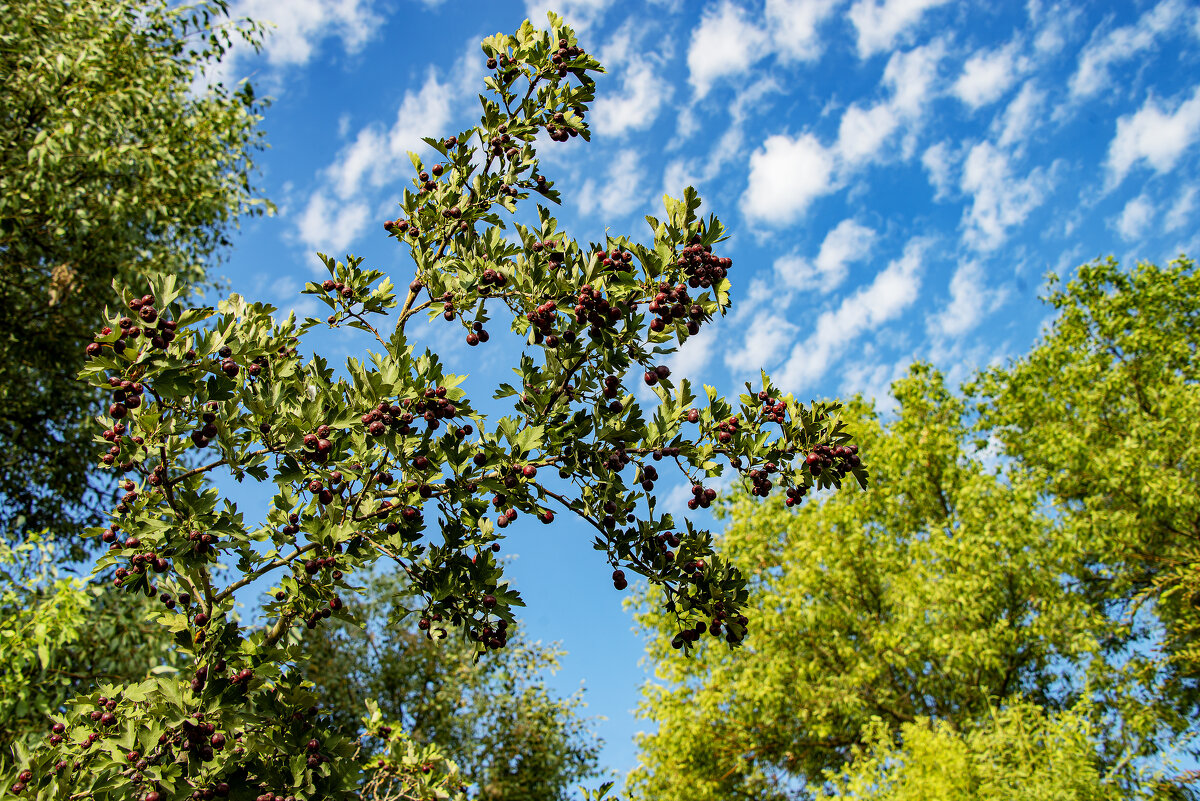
251, 577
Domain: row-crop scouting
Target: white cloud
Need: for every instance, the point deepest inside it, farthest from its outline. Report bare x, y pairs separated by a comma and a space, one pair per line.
939, 161
1135, 218
619, 193
786, 175
300, 25
845, 244
912, 77
725, 43
970, 299
1053, 25
793, 27
1000, 200
891, 292
987, 76
1021, 116
766, 338
1155, 135
1177, 215
579, 14
693, 356
880, 22
1122, 44
643, 92
330, 226
862, 132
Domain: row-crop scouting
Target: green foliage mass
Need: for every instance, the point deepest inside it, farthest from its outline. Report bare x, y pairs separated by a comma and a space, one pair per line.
58, 636
1017, 754
392, 463
1103, 416
111, 167
931, 596
493, 716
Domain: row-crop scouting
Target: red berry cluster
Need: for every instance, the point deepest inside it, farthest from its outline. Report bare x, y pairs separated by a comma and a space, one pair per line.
649, 475
317, 446
617, 259
840, 458
592, 307
761, 480
201, 542
713, 627
477, 334
703, 269
208, 431
401, 227
160, 335
556, 257
772, 411
726, 430
126, 395
491, 277
673, 303
494, 638
618, 577
701, 497
659, 373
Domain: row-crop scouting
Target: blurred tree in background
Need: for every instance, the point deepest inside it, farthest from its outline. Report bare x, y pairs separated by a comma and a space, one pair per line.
997, 602
113, 165
495, 718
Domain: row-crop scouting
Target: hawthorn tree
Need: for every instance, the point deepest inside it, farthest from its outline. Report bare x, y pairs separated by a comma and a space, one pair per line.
392, 461
111, 167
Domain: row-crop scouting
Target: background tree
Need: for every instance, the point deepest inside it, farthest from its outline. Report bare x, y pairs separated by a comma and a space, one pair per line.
493, 716
1017, 754
110, 168
1103, 416
392, 461
59, 635
938, 596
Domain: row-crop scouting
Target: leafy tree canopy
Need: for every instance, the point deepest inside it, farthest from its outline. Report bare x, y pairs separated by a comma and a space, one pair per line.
111, 167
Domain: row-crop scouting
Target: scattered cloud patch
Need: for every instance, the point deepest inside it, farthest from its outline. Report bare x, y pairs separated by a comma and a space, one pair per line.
1122, 44
619, 194
1020, 118
786, 175
987, 76
940, 161
579, 14
892, 291
845, 244
330, 225
725, 44
643, 93
1177, 215
862, 132
1154, 134
970, 300
302, 25
793, 27
1000, 200
879, 23
765, 340
912, 77
1135, 218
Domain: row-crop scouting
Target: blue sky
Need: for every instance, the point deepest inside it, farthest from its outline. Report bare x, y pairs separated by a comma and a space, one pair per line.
898, 176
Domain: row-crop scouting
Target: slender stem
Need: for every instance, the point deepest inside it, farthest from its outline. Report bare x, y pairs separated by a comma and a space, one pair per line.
262, 571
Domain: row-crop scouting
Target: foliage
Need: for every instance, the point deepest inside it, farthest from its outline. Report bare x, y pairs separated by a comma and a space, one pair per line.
393, 462
110, 168
494, 717
1019, 754
57, 636
1104, 416
939, 595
